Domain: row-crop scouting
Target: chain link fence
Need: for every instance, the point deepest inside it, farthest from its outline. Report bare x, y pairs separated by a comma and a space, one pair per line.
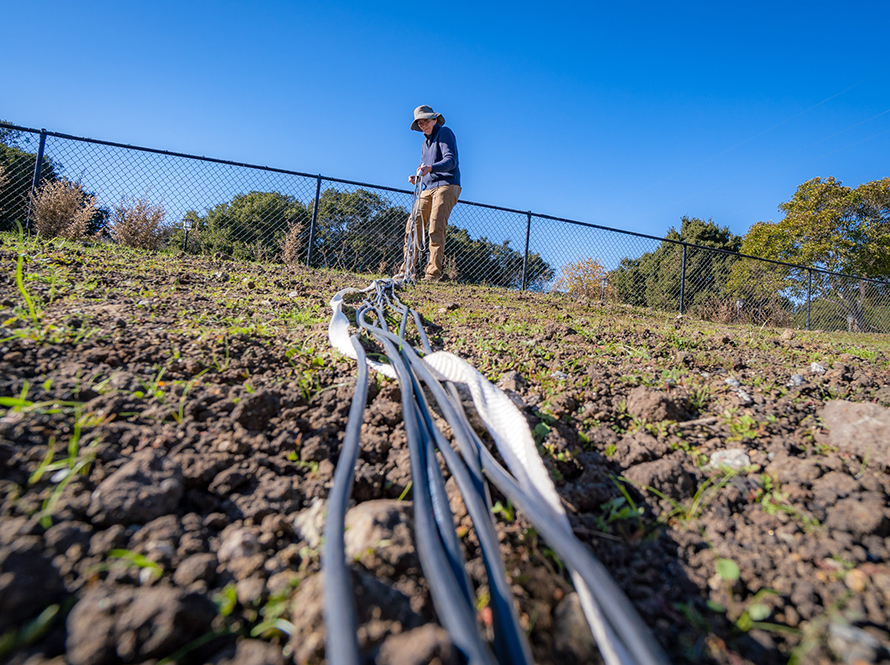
241, 211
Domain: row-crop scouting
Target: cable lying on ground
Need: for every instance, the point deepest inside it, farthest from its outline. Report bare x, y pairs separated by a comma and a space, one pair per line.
622, 637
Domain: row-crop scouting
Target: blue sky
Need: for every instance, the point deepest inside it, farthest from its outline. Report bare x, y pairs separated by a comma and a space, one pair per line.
623, 114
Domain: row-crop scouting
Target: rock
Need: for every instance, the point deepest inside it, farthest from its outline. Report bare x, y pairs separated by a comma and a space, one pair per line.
381, 611
572, 637
113, 538
198, 567
859, 516
653, 405
640, 447
250, 590
61, 537
852, 645
238, 544
427, 644
380, 536
667, 475
791, 470
511, 381
255, 410
148, 486
834, 485
108, 625
860, 429
29, 582
816, 368
309, 523
796, 381
734, 458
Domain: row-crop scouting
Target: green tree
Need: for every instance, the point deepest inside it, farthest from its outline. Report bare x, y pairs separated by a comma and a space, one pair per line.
834, 228
653, 279
250, 226
359, 231
484, 262
18, 170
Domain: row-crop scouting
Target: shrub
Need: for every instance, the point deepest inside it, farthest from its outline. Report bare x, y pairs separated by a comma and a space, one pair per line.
61, 208
292, 246
765, 311
585, 278
137, 223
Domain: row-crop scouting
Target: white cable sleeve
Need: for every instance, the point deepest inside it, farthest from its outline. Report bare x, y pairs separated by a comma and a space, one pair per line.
514, 442
338, 331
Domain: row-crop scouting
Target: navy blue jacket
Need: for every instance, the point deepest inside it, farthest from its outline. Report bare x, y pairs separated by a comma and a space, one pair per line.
439, 150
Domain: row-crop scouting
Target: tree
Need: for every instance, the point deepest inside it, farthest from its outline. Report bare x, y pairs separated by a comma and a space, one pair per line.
654, 279
250, 226
833, 228
359, 231
18, 170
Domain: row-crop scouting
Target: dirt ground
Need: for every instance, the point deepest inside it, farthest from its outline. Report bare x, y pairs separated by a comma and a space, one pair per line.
169, 428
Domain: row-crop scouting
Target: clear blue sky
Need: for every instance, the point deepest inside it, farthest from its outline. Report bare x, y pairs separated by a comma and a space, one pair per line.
624, 114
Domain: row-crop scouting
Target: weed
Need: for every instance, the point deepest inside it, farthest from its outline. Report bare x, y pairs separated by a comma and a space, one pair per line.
77, 463
506, 511
137, 560
615, 510
272, 612
14, 640
741, 427
751, 614
693, 508
137, 223
226, 600
61, 208
20, 283
773, 501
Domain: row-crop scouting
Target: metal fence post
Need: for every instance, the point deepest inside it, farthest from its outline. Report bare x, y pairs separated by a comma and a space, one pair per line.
809, 294
528, 228
683, 279
314, 220
38, 172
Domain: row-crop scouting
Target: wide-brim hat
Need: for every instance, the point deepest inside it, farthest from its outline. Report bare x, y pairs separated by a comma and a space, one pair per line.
426, 113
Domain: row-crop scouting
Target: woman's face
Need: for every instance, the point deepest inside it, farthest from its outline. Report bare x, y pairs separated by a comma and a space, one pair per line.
426, 126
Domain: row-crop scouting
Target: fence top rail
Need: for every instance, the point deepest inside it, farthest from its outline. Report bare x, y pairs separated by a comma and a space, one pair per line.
6, 125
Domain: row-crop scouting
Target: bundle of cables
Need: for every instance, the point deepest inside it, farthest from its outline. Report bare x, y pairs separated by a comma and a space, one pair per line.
621, 635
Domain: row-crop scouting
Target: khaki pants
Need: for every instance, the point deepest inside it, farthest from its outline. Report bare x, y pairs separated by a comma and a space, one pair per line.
436, 205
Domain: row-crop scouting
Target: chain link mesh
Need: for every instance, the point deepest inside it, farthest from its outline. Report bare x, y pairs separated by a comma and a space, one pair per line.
241, 211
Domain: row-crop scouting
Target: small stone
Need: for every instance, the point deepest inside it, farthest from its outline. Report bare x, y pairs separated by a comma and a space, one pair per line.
239, 544
796, 380
851, 644
856, 580
734, 458
744, 397
559, 376
309, 523
733, 383
816, 368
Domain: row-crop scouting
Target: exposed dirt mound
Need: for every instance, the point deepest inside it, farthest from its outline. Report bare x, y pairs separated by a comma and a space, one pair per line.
169, 428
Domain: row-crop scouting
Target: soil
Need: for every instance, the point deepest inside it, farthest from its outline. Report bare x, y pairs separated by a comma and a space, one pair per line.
169, 428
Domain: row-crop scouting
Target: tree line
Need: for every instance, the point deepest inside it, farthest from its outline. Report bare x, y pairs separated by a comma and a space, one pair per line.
826, 227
